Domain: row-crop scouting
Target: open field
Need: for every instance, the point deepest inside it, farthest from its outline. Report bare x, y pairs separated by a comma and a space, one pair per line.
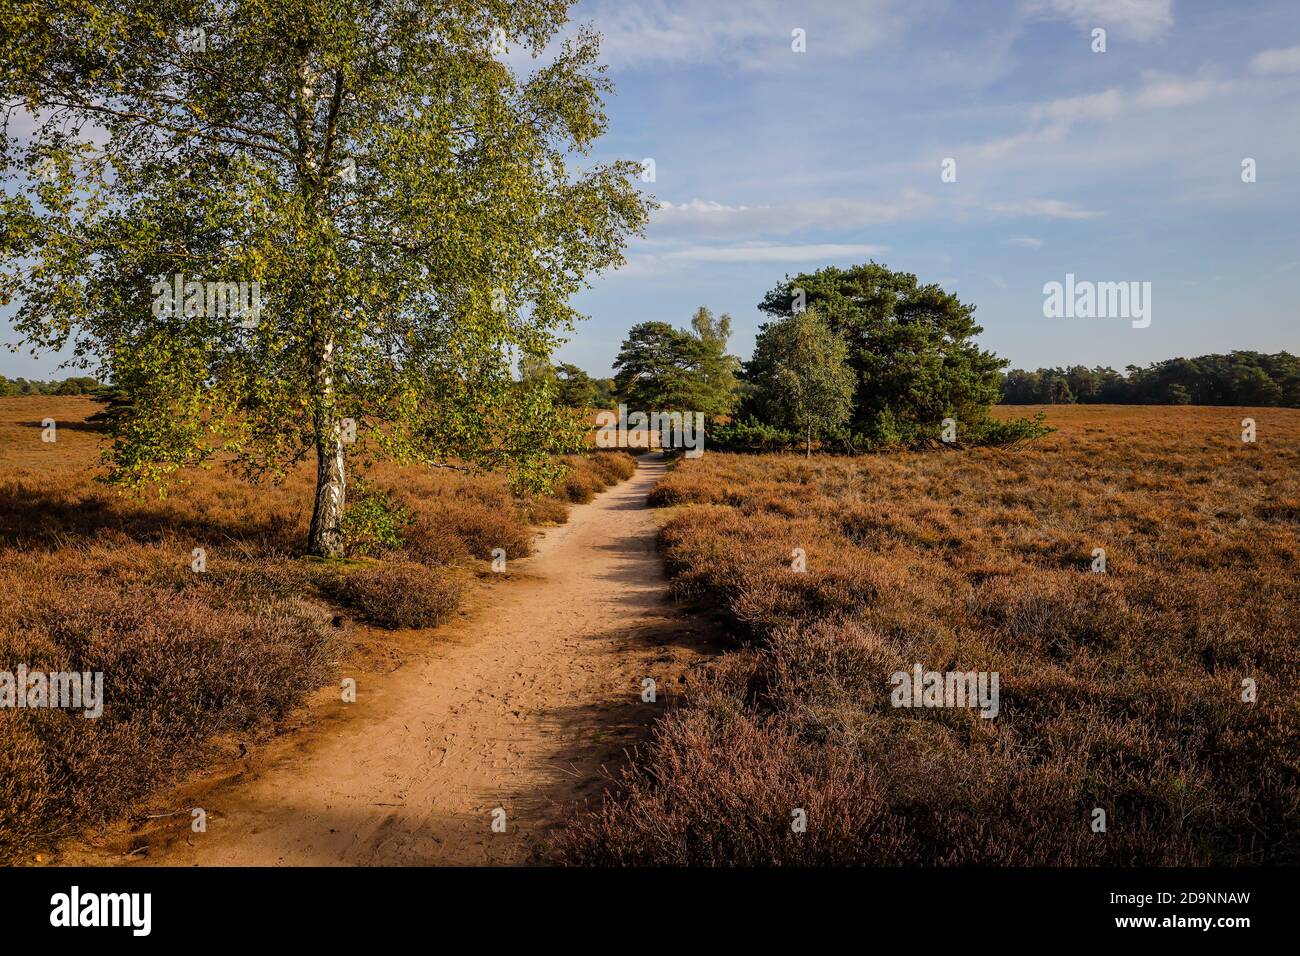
1119, 691
197, 662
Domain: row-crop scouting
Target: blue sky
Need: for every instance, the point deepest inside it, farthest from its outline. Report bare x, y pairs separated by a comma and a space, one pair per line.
1115, 166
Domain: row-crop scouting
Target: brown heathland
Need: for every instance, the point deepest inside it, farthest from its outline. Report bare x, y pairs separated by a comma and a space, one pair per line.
1120, 690
511, 716
92, 581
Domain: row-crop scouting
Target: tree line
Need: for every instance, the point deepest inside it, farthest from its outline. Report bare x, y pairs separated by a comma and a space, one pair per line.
1237, 378
75, 385
856, 359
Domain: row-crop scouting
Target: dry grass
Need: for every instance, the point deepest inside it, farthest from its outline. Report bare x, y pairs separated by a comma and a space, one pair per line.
1120, 691
90, 581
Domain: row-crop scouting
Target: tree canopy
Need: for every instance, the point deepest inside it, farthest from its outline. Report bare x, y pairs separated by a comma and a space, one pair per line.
662, 368
801, 376
570, 385
576, 389
910, 346
403, 200
75, 385
1238, 378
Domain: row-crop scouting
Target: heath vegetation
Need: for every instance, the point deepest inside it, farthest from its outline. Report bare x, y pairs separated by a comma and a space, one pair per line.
1160, 691
91, 580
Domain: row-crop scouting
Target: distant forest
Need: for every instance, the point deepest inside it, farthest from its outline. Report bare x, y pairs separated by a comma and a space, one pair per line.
78, 385
1239, 378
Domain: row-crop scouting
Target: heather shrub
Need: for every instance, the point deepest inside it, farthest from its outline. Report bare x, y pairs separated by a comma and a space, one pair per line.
611, 466
581, 487
545, 511
482, 515
179, 666
400, 595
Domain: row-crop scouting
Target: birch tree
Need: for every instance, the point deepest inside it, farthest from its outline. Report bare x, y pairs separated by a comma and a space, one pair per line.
409, 206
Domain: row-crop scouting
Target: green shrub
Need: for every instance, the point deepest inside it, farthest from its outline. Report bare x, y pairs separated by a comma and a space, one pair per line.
374, 523
885, 432
1014, 432
750, 435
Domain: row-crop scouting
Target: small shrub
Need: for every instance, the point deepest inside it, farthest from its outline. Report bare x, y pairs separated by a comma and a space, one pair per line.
613, 466
590, 474
400, 595
750, 435
483, 527
581, 488
373, 523
1013, 431
543, 511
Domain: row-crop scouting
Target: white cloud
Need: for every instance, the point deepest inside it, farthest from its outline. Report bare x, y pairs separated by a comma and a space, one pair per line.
997, 148
699, 207
1137, 19
1276, 61
1158, 91
1053, 121
1025, 242
708, 219
1161, 91
1041, 208
753, 34
1086, 107
772, 252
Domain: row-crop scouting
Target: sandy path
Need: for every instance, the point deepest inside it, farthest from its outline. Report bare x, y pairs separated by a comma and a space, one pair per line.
516, 706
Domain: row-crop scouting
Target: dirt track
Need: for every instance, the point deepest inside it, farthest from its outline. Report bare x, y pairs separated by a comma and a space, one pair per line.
517, 706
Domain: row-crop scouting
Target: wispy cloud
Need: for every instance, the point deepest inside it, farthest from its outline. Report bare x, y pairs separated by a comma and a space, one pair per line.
707, 218
1053, 121
1025, 242
710, 219
1270, 62
1157, 91
1040, 208
704, 207
751, 34
1136, 19
772, 252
